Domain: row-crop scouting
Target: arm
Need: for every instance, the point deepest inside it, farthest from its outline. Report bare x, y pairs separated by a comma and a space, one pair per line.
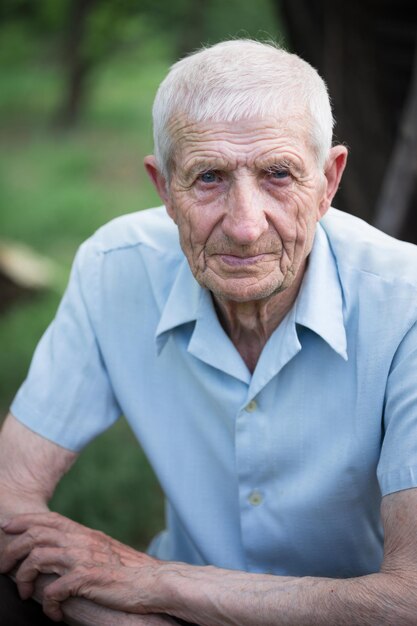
30, 468
382, 599
216, 597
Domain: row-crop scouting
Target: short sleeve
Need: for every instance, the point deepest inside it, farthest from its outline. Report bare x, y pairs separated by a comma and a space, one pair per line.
397, 468
67, 396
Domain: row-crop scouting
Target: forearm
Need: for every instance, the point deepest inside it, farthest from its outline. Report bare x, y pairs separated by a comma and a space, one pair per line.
215, 597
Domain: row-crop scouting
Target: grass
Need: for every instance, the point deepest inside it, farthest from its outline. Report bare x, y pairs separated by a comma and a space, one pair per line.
56, 189
112, 488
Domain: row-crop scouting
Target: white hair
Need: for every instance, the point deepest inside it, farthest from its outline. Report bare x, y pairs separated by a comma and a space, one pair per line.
242, 79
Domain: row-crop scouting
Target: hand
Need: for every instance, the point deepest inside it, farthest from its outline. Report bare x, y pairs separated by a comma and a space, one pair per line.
89, 564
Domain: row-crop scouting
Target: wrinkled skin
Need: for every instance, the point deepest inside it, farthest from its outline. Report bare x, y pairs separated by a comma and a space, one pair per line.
89, 564
246, 197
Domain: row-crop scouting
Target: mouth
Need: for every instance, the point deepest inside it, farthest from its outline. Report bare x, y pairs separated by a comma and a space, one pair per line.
241, 261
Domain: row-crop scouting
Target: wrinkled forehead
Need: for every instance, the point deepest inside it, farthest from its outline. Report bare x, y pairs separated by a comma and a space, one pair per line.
250, 137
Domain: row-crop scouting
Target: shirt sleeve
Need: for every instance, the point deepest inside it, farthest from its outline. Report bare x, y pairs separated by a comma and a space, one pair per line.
67, 396
397, 468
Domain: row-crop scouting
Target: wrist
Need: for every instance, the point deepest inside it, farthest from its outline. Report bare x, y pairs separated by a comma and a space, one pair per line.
187, 590
16, 501
174, 584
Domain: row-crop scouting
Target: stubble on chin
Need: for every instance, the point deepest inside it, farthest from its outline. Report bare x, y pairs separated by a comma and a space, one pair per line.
243, 289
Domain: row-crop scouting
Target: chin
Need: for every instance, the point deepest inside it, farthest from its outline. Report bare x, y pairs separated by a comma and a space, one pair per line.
241, 293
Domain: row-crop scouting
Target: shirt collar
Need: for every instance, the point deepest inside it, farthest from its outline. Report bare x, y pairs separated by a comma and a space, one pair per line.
182, 305
319, 305
188, 302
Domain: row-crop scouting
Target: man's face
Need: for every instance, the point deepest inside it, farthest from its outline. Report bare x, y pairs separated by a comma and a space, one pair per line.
246, 197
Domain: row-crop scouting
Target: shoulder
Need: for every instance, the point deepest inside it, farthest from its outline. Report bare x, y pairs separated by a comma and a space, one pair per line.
134, 254
378, 278
151, 228
146, 238
363, 249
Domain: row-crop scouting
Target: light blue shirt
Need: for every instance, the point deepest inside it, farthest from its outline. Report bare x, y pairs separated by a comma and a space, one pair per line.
281, 471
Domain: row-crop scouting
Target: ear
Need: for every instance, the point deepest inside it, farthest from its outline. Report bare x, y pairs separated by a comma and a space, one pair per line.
158, 180
333, 170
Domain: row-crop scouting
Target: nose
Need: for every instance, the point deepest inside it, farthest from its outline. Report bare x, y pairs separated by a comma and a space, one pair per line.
245, 219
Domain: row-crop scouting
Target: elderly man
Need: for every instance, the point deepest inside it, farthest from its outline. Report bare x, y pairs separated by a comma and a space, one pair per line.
263, 348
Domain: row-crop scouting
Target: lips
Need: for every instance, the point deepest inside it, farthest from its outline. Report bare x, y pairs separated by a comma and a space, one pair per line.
241, 261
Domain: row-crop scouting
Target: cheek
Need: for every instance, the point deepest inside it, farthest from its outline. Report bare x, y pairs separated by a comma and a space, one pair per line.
290, 216
197, 220
194, 231
195, 228
295, 222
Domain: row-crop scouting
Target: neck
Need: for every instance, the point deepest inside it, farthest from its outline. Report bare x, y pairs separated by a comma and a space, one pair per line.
250, 324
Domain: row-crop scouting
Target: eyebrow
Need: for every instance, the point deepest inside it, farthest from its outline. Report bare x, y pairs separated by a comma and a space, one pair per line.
204, 164
280, 162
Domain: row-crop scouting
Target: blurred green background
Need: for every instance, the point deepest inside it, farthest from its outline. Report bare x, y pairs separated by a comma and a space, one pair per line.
77, 80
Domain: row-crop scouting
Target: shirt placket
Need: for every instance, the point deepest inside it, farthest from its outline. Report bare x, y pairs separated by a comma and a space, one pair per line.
253, 449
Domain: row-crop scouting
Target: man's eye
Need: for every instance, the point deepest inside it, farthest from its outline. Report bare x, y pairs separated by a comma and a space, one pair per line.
279, 174
208, 177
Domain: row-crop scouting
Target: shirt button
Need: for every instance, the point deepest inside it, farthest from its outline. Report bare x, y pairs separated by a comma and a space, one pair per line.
255, 498
251, 406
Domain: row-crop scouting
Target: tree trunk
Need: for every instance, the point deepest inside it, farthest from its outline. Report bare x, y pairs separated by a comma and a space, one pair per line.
76, 64
401, 176
192, 32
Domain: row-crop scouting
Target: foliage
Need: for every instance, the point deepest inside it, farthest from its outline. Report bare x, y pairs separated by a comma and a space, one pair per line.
112, 27
56, 189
